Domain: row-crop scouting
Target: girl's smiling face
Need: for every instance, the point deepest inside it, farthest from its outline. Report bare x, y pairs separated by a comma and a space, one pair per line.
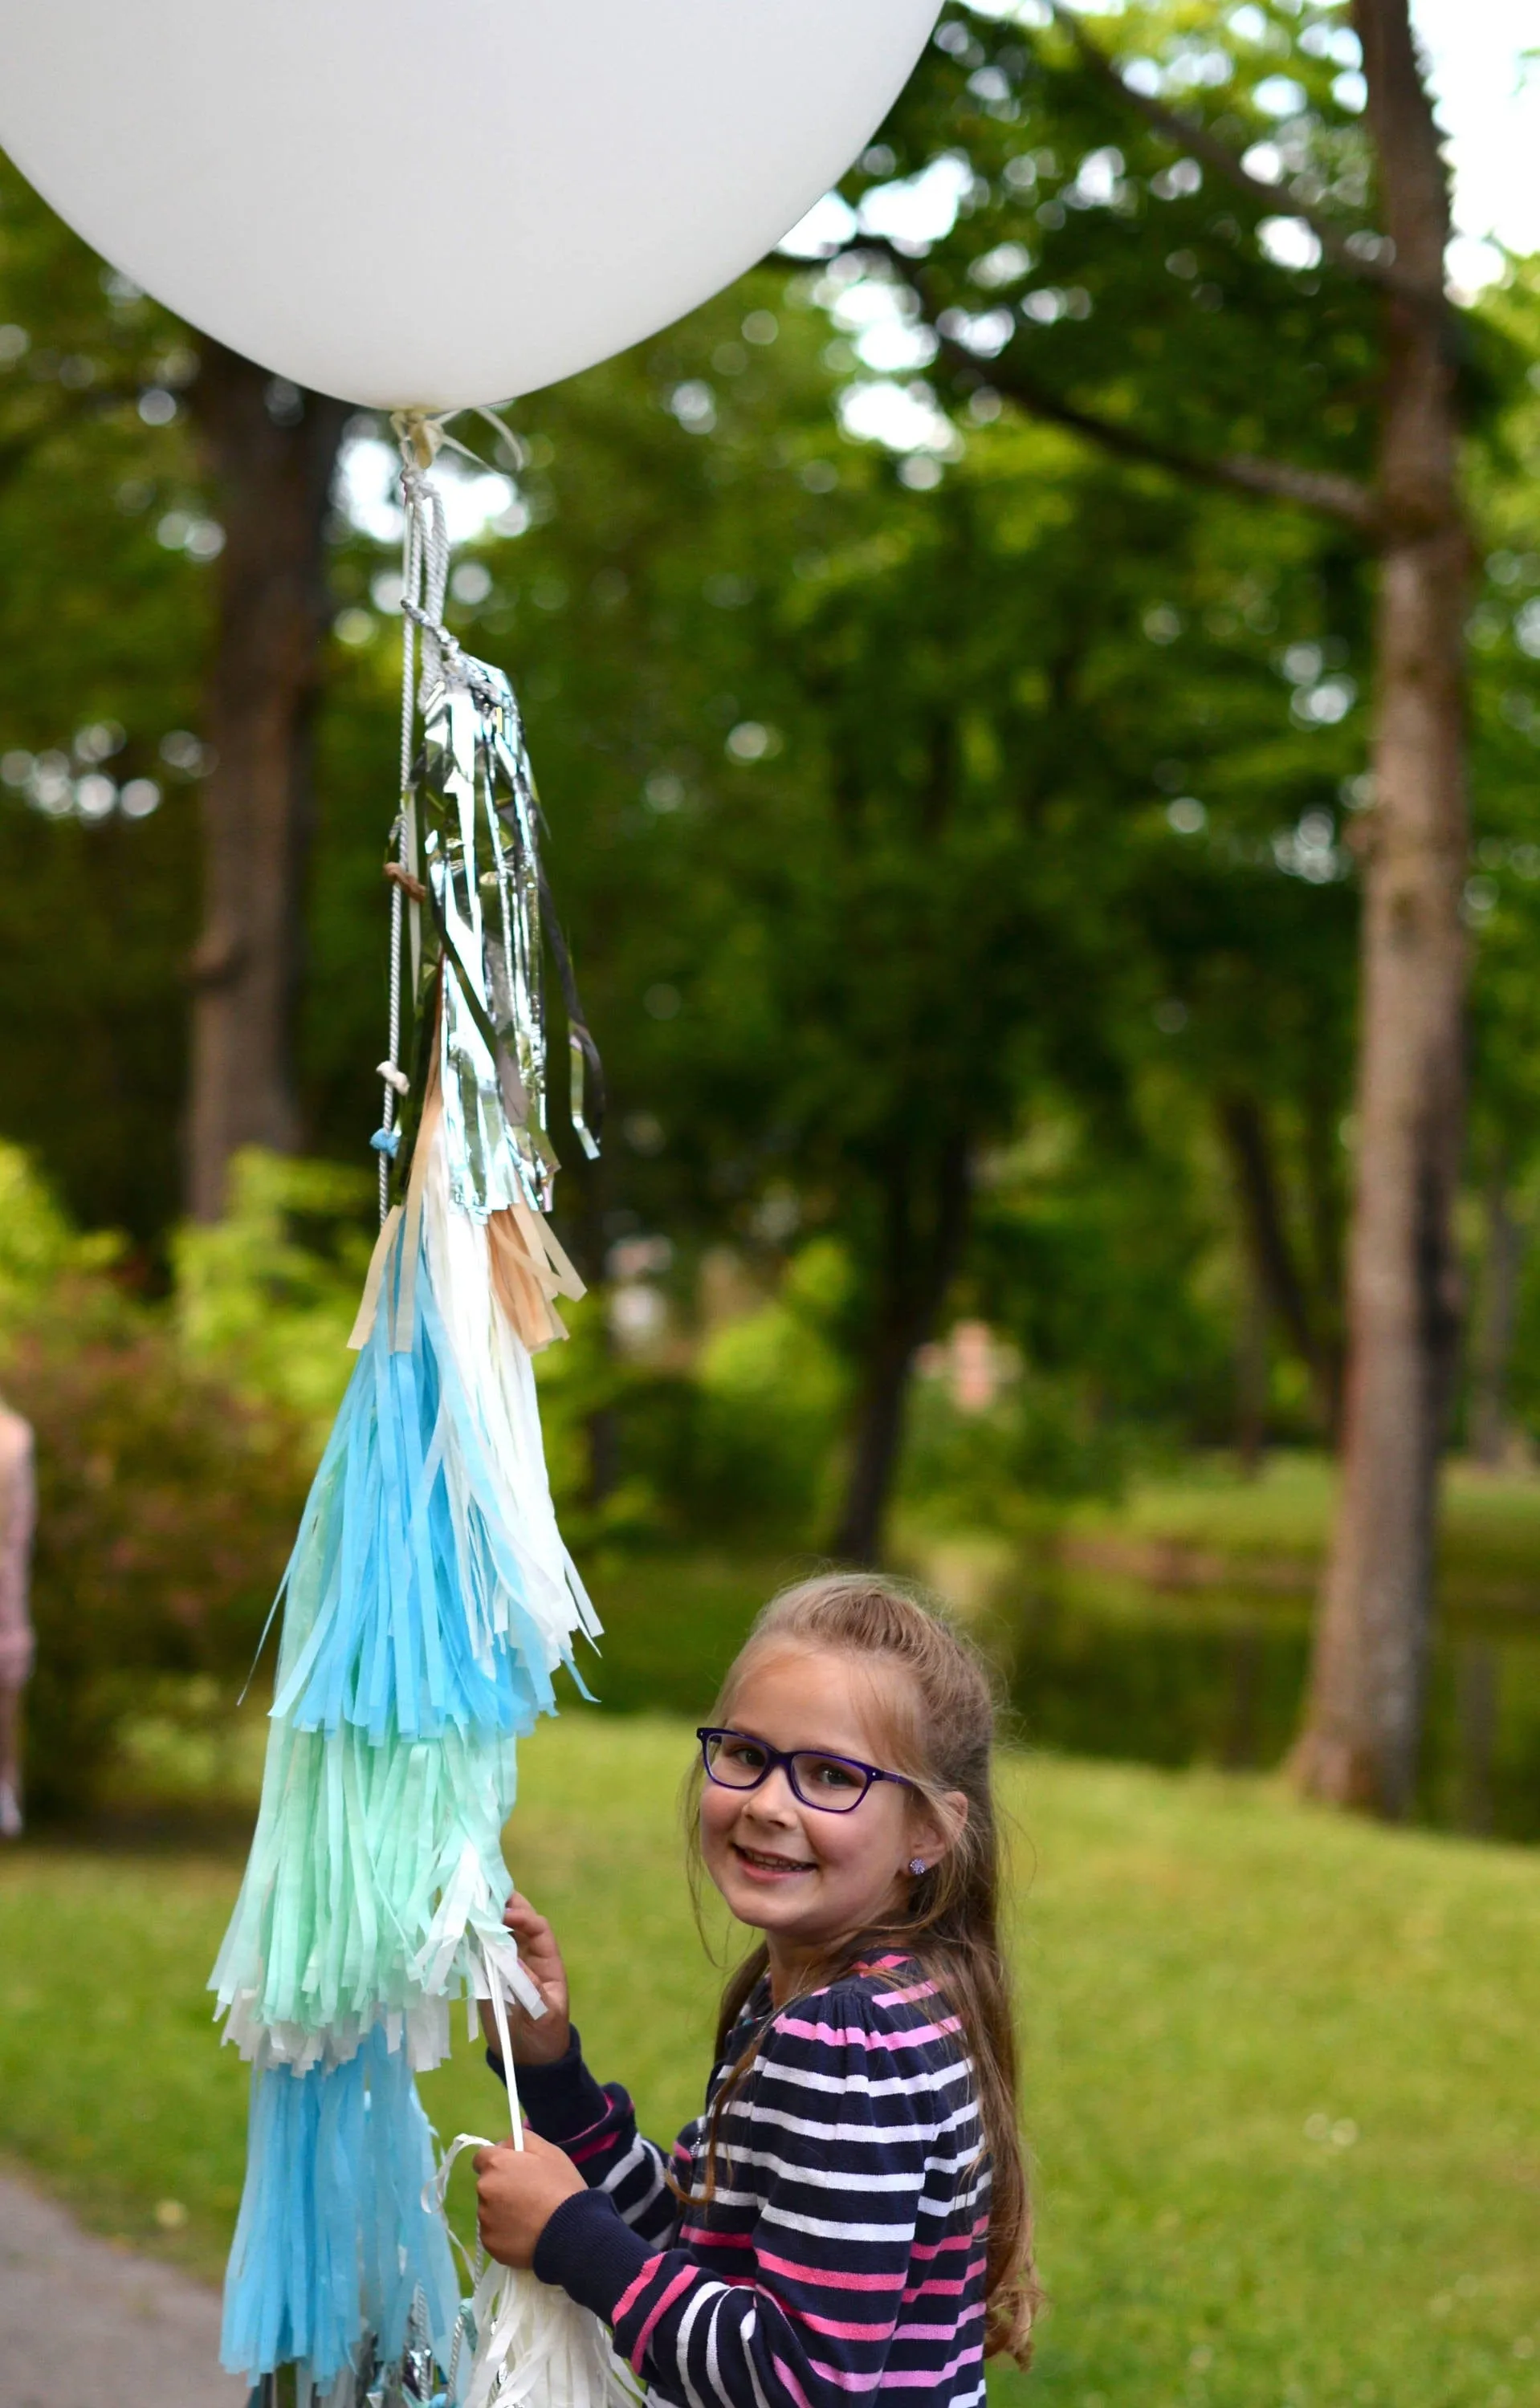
807, 1879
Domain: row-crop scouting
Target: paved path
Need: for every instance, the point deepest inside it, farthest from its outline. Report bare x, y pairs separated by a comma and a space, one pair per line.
83, 2324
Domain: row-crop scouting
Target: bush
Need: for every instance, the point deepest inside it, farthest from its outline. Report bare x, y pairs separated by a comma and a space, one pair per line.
739, 1446
991, 1470
167, 1501
268, 1294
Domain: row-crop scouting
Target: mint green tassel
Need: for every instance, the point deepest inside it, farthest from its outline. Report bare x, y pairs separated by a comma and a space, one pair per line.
372, 1871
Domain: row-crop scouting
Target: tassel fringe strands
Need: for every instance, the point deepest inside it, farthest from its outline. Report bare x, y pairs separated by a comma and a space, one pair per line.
334, 2237
537, 2348
429, 1536
426, 1608
531, 2344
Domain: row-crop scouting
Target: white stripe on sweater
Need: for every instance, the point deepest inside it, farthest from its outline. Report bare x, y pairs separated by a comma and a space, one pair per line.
869, 2086
861, 2135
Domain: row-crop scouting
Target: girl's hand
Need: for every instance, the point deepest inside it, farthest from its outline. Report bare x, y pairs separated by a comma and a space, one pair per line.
541, 2043
517, 2193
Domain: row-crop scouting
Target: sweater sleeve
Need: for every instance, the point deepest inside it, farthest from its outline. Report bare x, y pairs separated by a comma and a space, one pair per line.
831, 2154
596, 2125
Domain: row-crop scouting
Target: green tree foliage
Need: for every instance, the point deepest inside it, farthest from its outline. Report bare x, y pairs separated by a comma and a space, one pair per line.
984, 807
946, 872
102, 617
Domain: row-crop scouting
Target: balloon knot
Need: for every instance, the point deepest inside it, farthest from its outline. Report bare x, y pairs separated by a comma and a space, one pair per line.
419, 431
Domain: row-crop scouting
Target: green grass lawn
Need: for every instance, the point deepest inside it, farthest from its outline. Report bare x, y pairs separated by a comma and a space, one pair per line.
1490, 1534
1280, 2069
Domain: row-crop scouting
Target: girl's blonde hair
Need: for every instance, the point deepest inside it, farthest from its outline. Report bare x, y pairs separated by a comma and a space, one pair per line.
940, 1714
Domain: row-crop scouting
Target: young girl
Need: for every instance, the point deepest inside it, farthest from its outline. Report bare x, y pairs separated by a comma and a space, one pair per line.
850, 2215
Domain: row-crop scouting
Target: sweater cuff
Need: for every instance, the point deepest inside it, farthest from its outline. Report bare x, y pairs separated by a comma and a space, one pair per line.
561, 2101
589, 2252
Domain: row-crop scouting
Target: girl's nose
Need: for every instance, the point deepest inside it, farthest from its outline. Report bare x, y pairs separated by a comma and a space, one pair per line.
775, 1795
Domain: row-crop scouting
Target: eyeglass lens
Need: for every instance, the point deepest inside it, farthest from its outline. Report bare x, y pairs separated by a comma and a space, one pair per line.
824, 1781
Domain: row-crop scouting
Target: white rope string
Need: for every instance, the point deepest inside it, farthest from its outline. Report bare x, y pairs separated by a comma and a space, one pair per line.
499, 2016
390, 1070
424, 572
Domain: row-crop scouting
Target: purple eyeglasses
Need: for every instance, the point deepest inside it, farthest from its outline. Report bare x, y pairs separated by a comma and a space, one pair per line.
832, 1784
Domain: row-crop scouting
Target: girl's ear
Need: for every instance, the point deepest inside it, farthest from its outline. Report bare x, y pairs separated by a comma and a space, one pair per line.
935, 1829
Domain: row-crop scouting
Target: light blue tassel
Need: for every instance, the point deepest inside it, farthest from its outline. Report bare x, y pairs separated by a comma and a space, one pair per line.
396, 1584
333, 2241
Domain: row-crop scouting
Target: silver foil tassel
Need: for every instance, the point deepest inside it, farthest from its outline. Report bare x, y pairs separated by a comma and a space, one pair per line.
475, 834
469, 894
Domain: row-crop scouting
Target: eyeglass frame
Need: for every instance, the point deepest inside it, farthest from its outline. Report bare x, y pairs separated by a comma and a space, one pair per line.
782, 1759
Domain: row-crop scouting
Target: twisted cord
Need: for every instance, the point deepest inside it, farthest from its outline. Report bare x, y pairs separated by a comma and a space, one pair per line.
421, 519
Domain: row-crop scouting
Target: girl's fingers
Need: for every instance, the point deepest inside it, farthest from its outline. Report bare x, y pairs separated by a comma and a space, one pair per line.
519, 1915
532, 1931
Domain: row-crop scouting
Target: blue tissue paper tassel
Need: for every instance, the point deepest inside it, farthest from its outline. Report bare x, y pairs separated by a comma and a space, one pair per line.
333, 2241
406, 1592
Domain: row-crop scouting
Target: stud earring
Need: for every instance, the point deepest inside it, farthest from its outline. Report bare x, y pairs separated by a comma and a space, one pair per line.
917, 1866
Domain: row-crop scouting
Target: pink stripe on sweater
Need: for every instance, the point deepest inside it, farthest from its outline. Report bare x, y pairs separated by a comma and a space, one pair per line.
682, 2282
827, 2276
783, 2370
919, 2378
634, 2289
940, 2332
577, 2152
943, 2285
844, 2378
952, 2241
852, 2036
834, 2330
898, 2378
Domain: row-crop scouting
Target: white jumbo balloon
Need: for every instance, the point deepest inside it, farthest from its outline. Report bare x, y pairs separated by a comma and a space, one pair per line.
428, 202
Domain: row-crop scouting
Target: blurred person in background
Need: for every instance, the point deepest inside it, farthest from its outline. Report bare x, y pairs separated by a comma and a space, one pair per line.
17, 1508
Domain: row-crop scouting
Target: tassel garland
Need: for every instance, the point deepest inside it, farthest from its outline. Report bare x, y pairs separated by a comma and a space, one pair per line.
426, 1607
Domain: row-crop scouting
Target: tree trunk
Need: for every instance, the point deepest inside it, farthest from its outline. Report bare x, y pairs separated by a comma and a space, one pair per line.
1359, 1744
1321, 1163
1275, 1274
1251, 1372
271, 455
1499, 1316
922, 1242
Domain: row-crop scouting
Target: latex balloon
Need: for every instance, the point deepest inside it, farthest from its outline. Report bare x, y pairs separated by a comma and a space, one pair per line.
436, 202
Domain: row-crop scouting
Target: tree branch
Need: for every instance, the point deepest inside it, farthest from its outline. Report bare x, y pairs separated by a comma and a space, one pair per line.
1321, 490
1311, 489
1245, 1129
1188, 133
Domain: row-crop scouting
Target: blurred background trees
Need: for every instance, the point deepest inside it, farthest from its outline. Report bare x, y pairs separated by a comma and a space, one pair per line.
960, 819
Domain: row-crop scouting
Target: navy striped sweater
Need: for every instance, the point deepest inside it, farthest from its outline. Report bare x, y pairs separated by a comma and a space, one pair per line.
842, 2249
